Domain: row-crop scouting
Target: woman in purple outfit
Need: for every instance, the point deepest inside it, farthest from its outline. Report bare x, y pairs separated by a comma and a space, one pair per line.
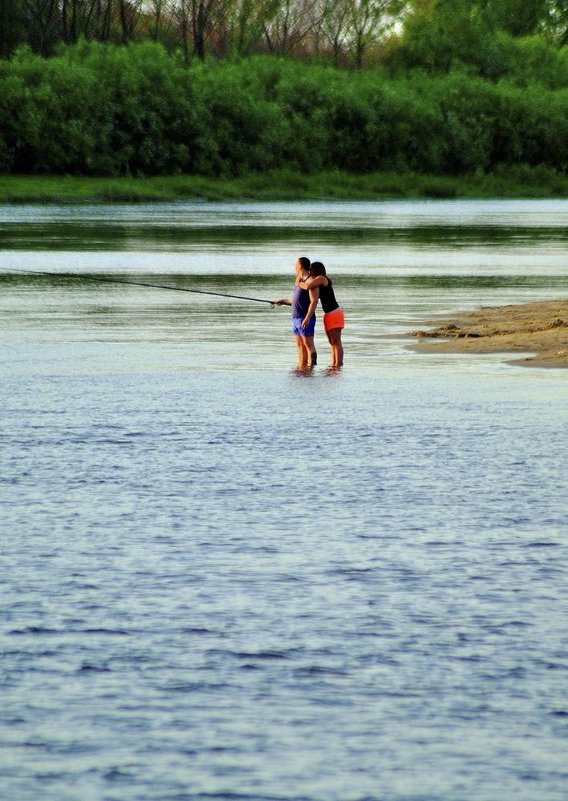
303, 303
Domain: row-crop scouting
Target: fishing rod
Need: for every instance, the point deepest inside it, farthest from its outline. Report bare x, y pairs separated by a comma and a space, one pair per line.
109, 280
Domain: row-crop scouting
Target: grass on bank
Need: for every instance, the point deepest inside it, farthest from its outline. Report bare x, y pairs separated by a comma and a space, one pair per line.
282, 185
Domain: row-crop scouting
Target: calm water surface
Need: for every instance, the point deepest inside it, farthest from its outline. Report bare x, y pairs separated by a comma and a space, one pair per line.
222, 580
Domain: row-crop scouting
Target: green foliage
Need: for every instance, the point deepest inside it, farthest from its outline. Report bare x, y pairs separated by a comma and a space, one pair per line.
532, 128
443, 35
147, 104
98, 109
519, 181
406, 128
20, 119
491, 38
530, 60
304, 96
241, 129
518, 17
12, 26
467, 106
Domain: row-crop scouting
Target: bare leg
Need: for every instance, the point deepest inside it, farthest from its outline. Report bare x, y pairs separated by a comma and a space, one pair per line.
303, 353
334, 337
312, 349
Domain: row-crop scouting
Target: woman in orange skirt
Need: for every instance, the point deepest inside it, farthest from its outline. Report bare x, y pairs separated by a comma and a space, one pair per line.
333, 318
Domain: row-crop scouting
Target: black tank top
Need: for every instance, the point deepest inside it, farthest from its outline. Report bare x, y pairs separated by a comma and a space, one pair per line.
327, 298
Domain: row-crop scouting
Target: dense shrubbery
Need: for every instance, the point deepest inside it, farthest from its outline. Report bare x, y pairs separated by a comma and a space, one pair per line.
108, 110
523, 42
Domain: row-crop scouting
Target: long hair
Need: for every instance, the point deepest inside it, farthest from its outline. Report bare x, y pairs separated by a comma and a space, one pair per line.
317, 268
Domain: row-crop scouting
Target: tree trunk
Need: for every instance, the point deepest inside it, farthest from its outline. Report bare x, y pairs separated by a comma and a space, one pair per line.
125, 29
199, 32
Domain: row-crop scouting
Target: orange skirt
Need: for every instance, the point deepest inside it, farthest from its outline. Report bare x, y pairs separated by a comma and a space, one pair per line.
334, 319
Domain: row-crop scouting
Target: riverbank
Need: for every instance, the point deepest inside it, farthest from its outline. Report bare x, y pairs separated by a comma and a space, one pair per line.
280, 185
540, 328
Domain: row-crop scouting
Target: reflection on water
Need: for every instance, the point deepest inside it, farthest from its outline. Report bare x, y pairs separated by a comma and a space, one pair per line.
184, 226
100, 236
222, 582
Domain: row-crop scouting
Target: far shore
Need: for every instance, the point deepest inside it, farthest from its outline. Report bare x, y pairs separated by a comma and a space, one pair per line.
281, 185
539, 328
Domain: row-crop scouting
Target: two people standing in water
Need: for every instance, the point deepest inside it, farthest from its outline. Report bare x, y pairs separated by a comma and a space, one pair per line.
313, 285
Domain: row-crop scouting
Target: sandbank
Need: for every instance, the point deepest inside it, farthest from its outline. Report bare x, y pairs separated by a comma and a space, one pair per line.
539, 328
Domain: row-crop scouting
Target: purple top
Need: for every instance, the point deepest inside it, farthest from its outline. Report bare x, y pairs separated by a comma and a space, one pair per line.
300, 302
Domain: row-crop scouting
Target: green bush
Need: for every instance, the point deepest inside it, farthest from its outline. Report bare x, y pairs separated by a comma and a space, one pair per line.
135, 110
527, 61
406, 126
148, 107
467, 106
243, 130
532, 128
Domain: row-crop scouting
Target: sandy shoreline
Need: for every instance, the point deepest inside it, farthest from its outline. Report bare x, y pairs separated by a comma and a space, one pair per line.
538, 328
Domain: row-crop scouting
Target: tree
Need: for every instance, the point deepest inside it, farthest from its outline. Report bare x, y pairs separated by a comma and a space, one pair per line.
443, 33
366, 20
238, 26
129, 13
42, 25
286, 25
517, 17
12, 26
333, 21
99, 20
556, 21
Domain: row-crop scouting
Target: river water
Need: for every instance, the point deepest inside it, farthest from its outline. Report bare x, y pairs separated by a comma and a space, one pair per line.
223, 580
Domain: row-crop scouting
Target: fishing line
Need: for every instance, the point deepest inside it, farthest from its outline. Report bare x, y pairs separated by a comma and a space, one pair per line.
109, 280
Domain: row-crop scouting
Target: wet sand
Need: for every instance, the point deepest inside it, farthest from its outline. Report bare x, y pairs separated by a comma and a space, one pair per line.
532, 328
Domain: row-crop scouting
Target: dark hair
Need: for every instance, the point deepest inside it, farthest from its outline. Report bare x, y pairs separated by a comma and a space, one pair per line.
304, 263
317, 268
